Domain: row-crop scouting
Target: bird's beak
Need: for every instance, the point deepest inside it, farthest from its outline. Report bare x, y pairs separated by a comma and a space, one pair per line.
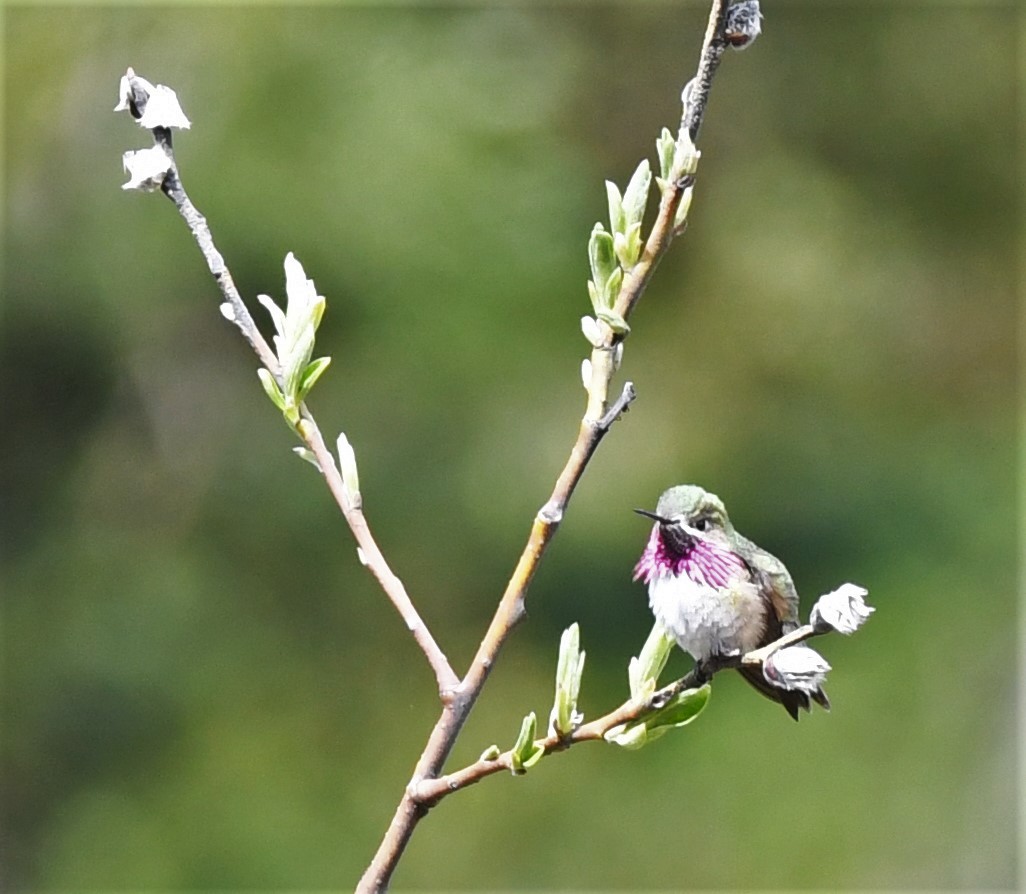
658, 518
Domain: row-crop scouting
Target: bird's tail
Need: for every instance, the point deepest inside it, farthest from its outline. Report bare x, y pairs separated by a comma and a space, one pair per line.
792, 699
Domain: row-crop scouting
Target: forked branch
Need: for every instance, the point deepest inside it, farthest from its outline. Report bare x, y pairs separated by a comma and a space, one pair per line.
624, 279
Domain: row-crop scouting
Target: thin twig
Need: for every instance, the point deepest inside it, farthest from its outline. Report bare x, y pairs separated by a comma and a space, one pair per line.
372, 557
712, 51
197, 224
663, 230
430, 791
173, 188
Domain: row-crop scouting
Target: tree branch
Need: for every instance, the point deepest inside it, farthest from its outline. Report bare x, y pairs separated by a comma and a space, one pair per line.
237, 313
371, 556
458, 696
697, 91
597, 419
430, 791
696, 98
508, 614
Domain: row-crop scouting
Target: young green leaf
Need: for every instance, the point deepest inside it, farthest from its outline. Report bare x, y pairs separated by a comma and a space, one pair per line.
680, 711
685, 155
602, 257
611, 289
271, 388
681, 216
565, 717
617, 219
643, 672
614, 321
628, 246
665, 147
525, 753
635, 197
311, 374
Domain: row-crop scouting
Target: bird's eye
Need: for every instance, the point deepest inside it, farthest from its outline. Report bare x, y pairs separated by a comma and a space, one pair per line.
701, 524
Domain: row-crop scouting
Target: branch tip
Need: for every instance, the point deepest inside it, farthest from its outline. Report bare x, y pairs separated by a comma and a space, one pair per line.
619, 407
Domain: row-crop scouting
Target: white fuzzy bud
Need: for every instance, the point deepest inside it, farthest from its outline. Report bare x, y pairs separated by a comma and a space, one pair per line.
146, 168
586, 373
796, 667
843, 609
347, 468
159, 104
590, 328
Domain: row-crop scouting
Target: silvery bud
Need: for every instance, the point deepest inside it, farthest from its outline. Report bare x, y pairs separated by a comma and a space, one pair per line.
843, 610
146, 168
743, 25
796, 667
151, 105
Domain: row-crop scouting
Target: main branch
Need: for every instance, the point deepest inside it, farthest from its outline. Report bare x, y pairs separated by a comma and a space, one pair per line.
597, 419
510, 611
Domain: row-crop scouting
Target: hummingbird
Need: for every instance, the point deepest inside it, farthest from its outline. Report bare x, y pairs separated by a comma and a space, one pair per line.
717, 593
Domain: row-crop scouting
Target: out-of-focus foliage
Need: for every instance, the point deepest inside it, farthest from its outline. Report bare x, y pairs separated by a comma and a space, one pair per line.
202, 688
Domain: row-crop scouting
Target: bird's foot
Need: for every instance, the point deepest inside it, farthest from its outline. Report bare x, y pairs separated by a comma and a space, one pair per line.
707, 667
703, 672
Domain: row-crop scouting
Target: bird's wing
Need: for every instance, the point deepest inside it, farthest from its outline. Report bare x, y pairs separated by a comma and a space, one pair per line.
775, 584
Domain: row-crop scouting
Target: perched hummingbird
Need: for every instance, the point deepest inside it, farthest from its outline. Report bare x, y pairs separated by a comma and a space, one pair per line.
717, 593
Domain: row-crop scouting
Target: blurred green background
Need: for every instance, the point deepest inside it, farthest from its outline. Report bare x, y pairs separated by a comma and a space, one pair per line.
203, 689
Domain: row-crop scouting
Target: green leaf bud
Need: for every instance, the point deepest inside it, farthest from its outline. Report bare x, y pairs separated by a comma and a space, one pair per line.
291, 411
565, 717
308, 455
683, 208
614, 321
628, 247
643, 672
617, 218
602, 257
686, 156
271, 388
665, 148
490, 753
611, 289
629, 736
311, 374
348, 471
525, 753
635, 197
680, 711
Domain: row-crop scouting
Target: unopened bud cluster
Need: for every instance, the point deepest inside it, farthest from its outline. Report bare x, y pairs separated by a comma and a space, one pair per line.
156, 108
800, 668
613, 253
